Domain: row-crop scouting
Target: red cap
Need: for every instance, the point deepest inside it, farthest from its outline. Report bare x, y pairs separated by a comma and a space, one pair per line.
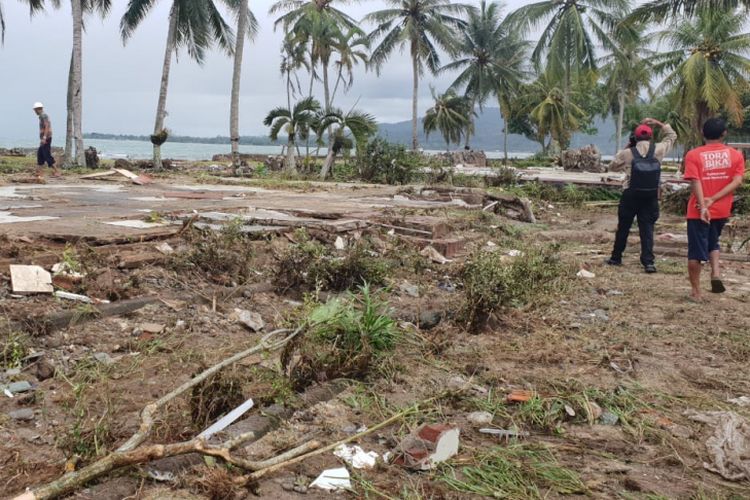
643, 132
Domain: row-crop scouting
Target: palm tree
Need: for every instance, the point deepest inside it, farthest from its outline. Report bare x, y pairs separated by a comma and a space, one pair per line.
491, 60
627, 70
451, 115
293, 58
319, 25
352, 125
193, 24
707, 67
351, 49
553, 114
247, 25
426, 27
659, 10
567, 40
296, 122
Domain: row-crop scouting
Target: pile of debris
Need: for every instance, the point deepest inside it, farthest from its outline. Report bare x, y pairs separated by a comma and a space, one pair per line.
466, 157
586, 159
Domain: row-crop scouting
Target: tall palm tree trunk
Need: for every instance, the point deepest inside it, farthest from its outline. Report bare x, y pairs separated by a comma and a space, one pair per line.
470, 124
291, 163
414, 100
77, 11
68, 156
161, 107
620, 118
330, 158
234, 112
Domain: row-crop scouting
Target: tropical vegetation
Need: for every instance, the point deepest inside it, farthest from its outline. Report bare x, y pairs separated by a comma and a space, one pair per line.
681, 61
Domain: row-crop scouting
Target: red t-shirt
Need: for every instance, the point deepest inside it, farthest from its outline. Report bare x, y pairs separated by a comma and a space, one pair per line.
715, 165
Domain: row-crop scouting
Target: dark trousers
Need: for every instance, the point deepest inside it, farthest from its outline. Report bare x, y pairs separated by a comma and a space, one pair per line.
647, 211
44, 154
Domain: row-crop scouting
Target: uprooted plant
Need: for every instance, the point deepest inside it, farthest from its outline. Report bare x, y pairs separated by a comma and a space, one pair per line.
494, 281
310, 265
343, 338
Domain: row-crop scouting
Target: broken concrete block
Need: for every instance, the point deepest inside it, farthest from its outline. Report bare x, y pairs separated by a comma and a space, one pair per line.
433, 255
339, 244
30, 279
252, 320
480, 417
22, 414
152, 327
165, 248
430, 445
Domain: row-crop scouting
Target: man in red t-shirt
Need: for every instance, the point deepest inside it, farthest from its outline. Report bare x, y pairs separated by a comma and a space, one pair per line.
715, 171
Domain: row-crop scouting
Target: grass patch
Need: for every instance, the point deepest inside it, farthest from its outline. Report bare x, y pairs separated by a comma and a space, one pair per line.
567, 193
493, 282
344, 338
309, 265
516, 471
14, 347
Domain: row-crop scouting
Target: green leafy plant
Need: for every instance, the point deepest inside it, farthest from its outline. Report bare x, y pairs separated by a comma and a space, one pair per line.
343, 337
381, 161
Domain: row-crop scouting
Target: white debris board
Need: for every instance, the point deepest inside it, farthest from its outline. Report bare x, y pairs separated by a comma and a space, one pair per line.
30, 279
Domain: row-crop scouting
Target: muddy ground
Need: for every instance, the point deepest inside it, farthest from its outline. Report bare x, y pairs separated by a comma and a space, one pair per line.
628, 342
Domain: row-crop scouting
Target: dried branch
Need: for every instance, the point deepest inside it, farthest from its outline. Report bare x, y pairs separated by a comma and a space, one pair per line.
116, 460
147, 414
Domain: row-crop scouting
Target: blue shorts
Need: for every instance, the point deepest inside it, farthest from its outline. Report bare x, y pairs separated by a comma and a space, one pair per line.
703, 238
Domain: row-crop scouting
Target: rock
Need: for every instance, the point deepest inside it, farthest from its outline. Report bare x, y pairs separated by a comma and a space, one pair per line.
615, 293
409, 289
583, 273
600, 315
429, 319
608, 418
288, 485
104, 358
480, 417
252, 320
44, 370
165, 248
152, 328
22, 414
339, 244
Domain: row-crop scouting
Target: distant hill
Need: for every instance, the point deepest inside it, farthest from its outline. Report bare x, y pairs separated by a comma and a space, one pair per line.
489, 135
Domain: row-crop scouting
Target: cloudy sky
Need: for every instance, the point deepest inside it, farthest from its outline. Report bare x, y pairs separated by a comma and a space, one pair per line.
121, 82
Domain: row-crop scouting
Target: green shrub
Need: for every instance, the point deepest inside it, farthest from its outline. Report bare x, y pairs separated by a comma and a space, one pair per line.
493, 282
343, 337
382, 161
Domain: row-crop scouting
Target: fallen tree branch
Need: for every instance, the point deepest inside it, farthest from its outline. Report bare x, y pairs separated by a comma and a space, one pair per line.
116, 460
147, 414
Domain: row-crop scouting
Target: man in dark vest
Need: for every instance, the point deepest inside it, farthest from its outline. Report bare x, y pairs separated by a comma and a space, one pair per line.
640, 196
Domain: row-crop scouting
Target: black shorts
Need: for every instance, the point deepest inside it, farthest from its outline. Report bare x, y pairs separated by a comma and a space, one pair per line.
44, 154
703, 238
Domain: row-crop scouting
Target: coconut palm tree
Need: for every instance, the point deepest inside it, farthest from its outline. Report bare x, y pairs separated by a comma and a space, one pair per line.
247, 25
627, 70
354, 125
296, 122
566, 45
451, 115
351, 49
319, 25
708, 66
659, 10
553, 114
293, 58
194, 25
491, 59
425, 27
